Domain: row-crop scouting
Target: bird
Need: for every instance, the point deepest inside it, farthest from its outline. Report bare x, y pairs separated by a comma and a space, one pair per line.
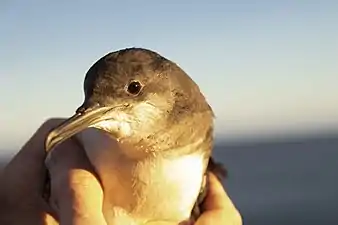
148, 131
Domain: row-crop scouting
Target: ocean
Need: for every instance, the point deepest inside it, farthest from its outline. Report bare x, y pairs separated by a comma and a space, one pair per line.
290, 182
284, 183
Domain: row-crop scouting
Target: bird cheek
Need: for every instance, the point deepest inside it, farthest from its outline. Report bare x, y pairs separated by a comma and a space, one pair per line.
147, 113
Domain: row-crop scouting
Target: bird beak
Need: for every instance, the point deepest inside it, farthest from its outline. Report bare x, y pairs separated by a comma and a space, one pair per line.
74, 125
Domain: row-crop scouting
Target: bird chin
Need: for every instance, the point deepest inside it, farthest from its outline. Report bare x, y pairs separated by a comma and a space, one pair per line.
97, 142
108, 139
116, 129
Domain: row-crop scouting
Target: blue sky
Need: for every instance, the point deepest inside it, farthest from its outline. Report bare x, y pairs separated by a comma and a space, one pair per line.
265, 66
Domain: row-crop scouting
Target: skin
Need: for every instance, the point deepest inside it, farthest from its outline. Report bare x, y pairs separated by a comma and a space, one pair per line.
76, 193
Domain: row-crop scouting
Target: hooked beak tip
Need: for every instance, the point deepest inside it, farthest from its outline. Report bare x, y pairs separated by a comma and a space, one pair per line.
74, 125
49, 142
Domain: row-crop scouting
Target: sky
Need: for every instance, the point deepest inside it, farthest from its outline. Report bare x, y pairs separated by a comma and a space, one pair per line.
266, 67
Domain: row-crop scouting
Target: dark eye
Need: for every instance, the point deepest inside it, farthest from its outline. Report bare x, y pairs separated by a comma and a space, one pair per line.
134, 87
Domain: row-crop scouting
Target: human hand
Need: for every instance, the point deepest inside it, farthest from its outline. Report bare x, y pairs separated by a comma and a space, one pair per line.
72, 185
22, 184
75, 191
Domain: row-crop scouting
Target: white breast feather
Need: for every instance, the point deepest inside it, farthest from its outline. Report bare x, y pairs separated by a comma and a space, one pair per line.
157, 187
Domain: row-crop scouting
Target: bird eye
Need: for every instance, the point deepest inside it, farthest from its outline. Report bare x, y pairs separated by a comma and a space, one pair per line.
134, 87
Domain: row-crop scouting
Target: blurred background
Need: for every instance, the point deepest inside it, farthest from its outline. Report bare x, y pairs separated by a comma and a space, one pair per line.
268, 68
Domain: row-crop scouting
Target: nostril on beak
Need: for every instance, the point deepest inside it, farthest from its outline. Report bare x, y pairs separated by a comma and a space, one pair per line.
85, 106
81, 110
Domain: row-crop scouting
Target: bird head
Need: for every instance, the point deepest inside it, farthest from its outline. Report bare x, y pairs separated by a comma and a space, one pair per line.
133, 94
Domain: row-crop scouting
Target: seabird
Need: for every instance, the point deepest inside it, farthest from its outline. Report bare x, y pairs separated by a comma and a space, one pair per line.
148, 131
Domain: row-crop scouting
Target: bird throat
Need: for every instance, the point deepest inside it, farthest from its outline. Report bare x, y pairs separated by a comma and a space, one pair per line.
148, 187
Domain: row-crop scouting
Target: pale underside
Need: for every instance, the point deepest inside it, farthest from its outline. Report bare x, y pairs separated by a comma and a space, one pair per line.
146, 189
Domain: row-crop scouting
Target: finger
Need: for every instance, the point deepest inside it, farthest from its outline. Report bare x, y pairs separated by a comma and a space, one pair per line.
25, 173
218, 207
75, 188
216, 198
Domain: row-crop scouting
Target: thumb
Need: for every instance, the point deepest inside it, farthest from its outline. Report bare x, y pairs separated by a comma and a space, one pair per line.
75, 188
216, 198
218, 207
